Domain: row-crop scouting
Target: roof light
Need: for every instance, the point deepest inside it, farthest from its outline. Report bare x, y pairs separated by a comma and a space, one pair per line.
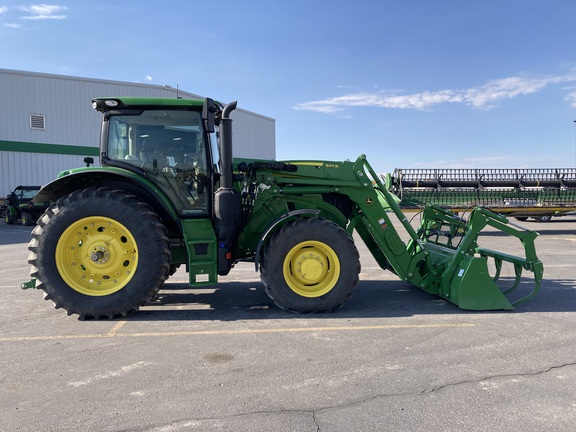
111, 103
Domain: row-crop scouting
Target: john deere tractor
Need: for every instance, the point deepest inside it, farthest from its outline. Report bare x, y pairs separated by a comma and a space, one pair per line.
168, 193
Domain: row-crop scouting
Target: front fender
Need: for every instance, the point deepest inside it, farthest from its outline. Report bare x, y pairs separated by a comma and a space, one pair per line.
271, 228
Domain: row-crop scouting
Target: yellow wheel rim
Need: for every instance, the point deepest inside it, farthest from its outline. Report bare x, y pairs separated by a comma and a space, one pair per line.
311, 269
96, 256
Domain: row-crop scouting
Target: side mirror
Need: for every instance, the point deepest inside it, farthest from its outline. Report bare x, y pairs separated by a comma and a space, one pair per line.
209, 111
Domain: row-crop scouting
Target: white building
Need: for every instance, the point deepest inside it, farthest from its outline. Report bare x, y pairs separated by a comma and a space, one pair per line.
47, 124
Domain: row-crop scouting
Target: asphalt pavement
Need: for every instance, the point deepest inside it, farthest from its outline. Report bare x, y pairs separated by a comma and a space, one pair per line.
226, 359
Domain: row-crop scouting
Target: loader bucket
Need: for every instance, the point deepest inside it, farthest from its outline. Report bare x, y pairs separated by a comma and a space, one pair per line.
472, 288
466, 279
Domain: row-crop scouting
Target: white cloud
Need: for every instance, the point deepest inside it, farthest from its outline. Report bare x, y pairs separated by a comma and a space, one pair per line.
571, 99
508, 88
148, 78
3, 9
43, 12
12, 25
483, 97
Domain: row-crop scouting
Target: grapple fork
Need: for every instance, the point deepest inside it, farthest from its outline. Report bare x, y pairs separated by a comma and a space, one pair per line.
465, 278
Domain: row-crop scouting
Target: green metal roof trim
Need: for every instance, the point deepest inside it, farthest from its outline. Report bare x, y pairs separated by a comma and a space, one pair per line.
28, 147
154, 101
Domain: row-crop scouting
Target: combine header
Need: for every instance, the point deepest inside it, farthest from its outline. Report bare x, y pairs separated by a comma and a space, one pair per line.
523, 193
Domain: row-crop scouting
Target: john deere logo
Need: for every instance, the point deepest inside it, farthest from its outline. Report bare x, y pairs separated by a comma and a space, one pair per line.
369, 201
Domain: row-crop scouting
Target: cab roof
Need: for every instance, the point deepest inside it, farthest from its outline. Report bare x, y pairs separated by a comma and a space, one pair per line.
108, 103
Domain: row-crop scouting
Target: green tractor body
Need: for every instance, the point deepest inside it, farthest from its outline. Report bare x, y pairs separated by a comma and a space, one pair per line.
168, 193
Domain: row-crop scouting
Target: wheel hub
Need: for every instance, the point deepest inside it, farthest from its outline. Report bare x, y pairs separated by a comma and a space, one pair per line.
100, 255
311, 269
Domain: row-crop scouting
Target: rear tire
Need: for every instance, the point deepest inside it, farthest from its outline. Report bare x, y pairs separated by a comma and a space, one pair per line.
99, 253
26, 219
310, 265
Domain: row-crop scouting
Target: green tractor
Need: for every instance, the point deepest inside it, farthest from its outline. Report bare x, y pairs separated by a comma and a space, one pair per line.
169, 193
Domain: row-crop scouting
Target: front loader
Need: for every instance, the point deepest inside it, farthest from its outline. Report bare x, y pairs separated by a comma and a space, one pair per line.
162, 198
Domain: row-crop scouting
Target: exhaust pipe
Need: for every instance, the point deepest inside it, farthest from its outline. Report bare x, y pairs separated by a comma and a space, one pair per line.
226, 198
226, 146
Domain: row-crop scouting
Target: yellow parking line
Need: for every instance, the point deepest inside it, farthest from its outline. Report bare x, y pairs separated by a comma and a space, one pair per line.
116, 328
114, 332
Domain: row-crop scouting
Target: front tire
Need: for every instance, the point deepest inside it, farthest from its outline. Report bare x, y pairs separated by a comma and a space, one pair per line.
99, 252
310, 265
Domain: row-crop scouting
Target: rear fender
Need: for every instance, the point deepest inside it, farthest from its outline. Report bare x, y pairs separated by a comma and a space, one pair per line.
115, 179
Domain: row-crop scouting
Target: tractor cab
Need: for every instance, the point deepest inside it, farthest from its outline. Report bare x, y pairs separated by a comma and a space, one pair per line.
167, 144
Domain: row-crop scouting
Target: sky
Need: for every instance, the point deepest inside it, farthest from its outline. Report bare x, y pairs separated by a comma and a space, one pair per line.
410, 84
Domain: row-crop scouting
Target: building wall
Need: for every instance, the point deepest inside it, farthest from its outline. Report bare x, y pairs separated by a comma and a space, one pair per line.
21, 168
72, 128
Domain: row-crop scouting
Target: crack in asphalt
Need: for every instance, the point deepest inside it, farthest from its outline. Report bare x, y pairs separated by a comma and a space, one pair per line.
179, 424
315, 422
491, 377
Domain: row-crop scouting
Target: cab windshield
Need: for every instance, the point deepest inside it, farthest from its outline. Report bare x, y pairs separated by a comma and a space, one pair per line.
169, 146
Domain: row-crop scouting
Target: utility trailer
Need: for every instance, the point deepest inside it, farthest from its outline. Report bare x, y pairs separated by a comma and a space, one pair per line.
162, 199
521, 193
